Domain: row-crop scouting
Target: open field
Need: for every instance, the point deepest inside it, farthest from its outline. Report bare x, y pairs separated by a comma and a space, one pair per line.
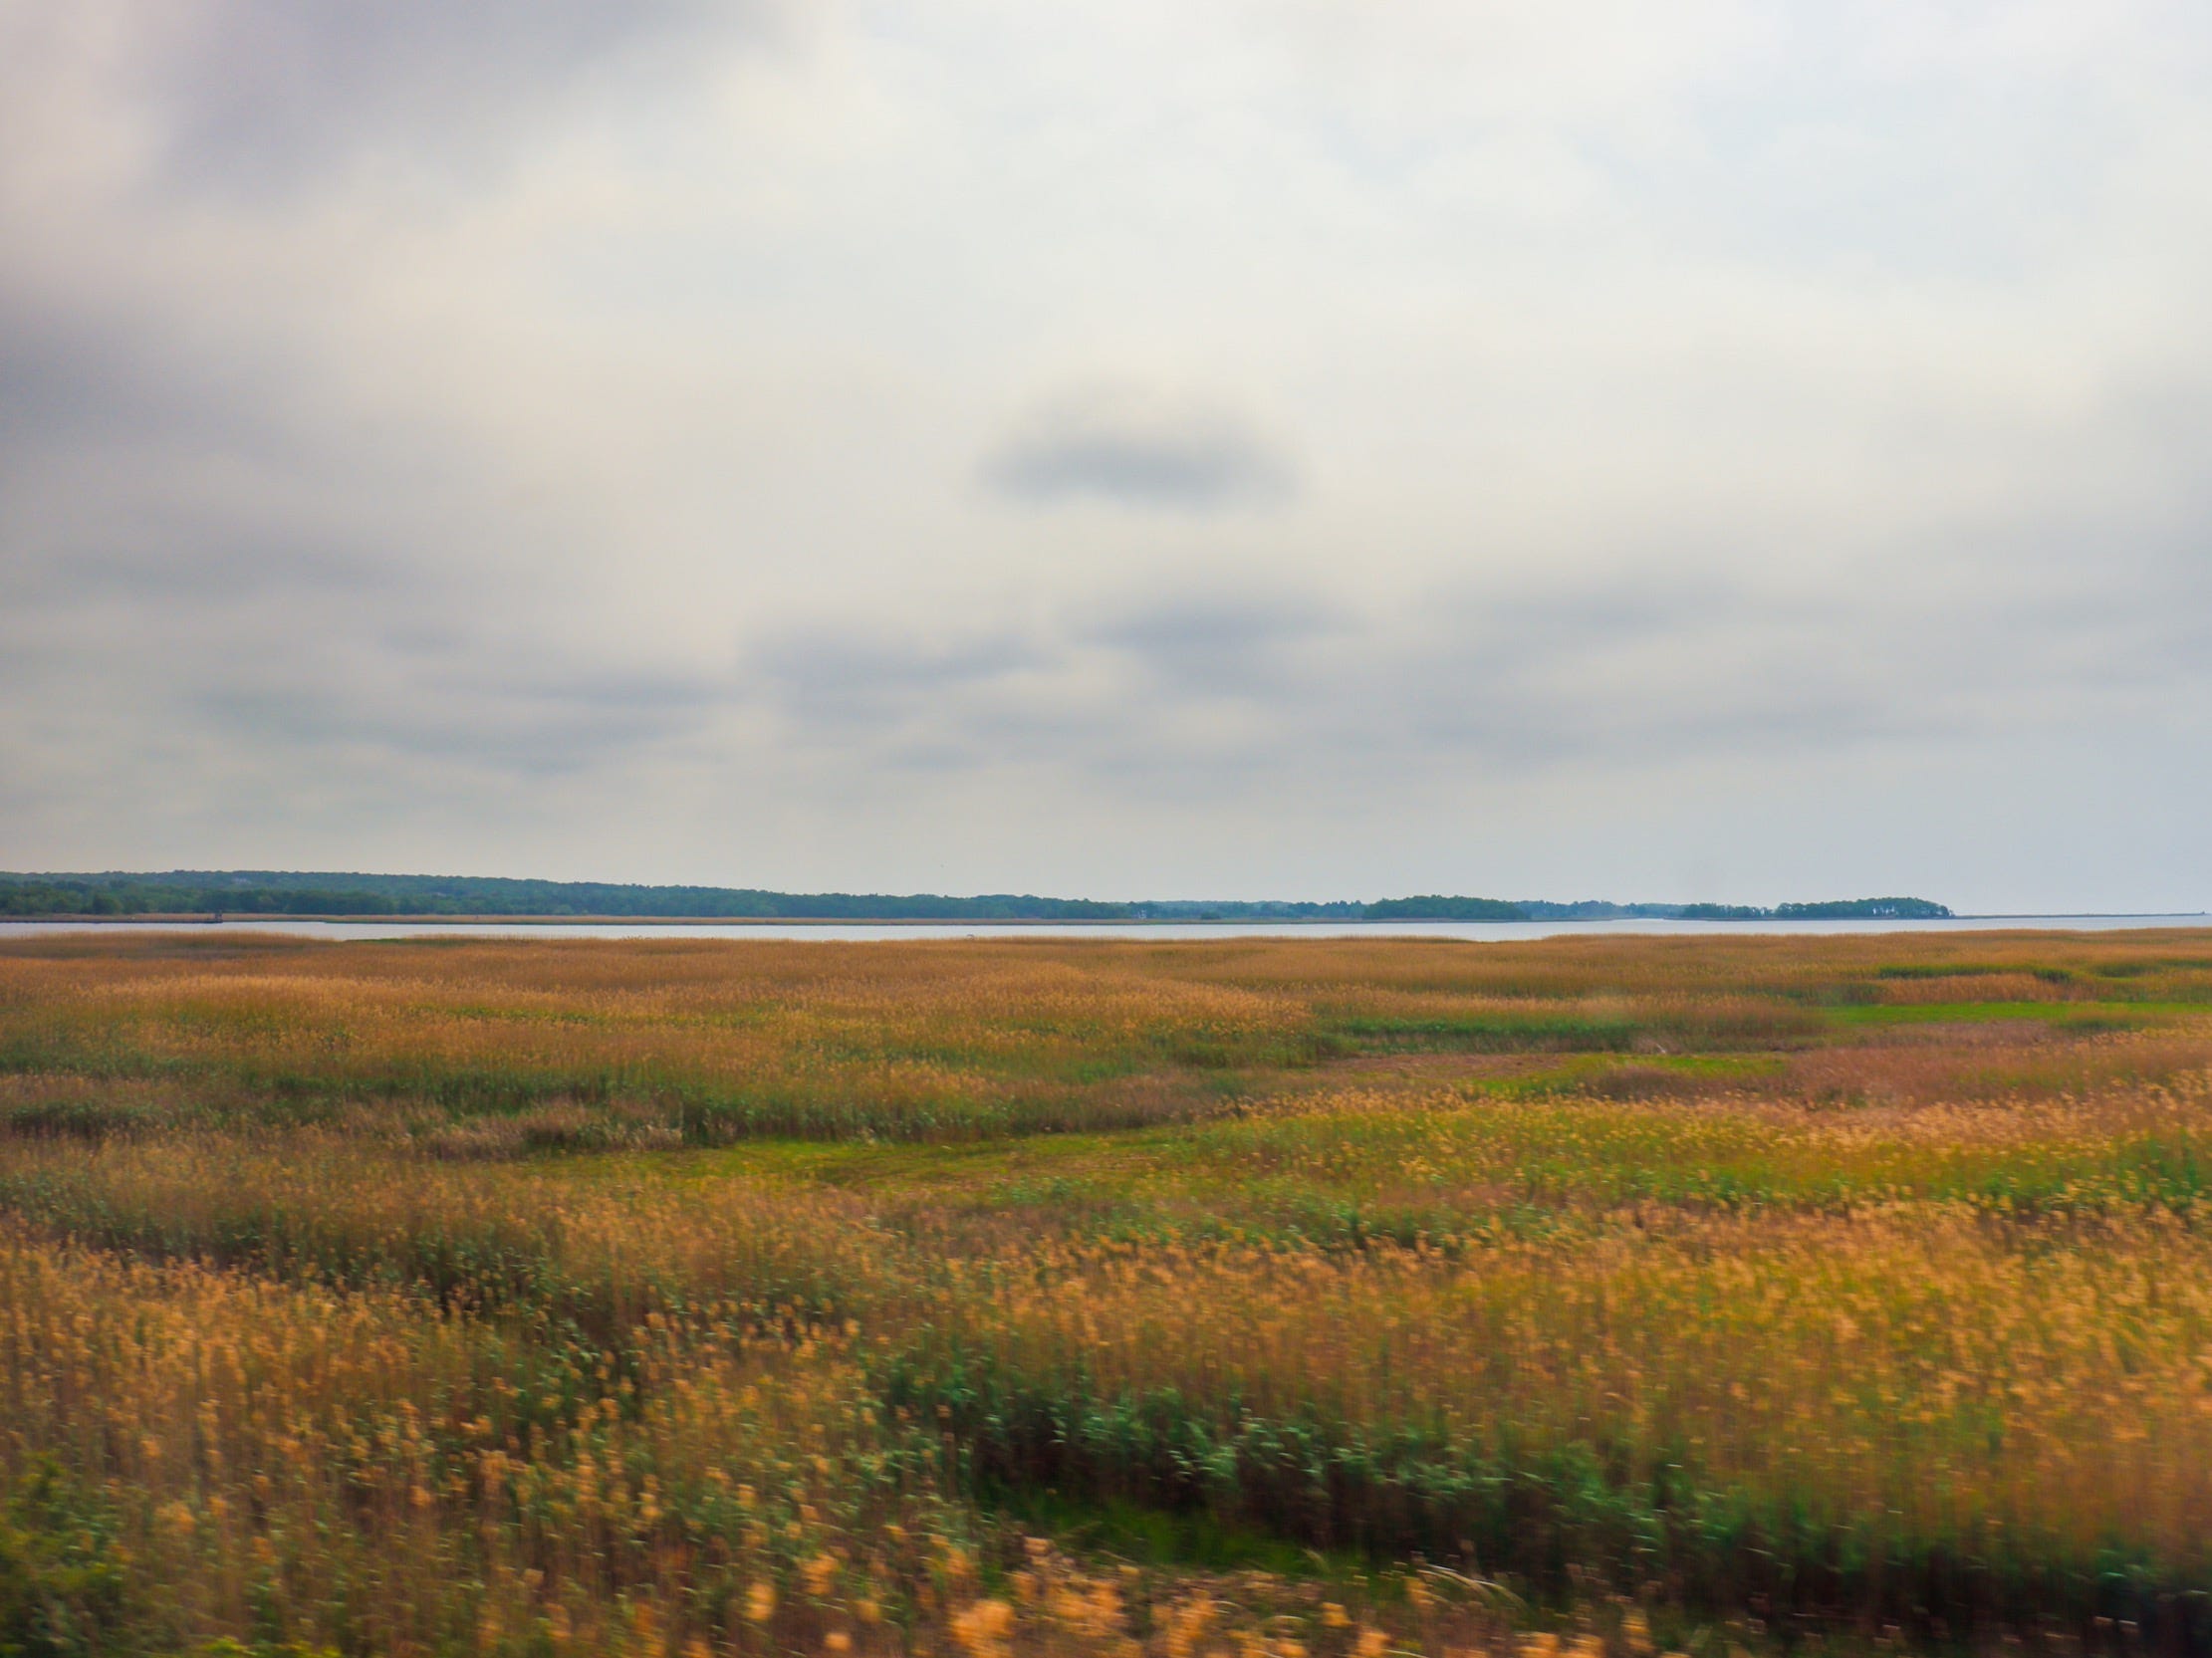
1308, 1297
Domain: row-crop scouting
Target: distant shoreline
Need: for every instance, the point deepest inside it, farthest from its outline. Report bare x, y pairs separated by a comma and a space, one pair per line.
330, 893
200, 918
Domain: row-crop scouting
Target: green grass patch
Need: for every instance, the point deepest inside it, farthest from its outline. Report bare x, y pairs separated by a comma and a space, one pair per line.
2078, 1018
1125, 1531
1556, 1520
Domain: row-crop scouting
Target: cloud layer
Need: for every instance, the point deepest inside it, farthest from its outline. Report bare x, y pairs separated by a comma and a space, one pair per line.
1298, 449
1134, 449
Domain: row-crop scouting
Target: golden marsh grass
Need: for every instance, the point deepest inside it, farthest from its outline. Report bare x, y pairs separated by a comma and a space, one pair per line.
1302, 1296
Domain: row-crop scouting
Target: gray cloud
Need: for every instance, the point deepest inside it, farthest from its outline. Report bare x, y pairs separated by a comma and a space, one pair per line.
1218, 642
1213, 623
231, 568
520, 725
1203, 691
1139, 449
835, 677
265, 92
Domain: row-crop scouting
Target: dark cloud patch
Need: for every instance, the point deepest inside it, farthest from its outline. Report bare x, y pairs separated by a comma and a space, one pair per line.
989, 695
1231, 645
525, 722
843, 676
1205, 692
1570, 628
1135, 449
238, 568
263, 93
1592, 613
1217, 694
1707, 702
1214, 623
61, 382
1693, 667
75, 376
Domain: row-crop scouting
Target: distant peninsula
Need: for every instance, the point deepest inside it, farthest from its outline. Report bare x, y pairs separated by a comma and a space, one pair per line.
328, 895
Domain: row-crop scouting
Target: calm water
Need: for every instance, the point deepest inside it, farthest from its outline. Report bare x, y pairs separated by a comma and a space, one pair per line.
1486, 931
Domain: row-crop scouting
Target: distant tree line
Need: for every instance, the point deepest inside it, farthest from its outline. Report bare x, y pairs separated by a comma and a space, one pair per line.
1438, 908
1880, 909
248, 893
1835, 910
293, 892
69, 896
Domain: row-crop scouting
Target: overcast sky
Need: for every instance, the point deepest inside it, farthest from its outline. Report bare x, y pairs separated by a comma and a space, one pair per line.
1296, 448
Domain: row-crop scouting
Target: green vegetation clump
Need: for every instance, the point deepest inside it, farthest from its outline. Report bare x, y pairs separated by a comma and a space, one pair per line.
1875, 910
63, 1589
1437, 908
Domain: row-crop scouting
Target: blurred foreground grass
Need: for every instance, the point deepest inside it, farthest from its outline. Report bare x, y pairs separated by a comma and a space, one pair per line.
1306, 1297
